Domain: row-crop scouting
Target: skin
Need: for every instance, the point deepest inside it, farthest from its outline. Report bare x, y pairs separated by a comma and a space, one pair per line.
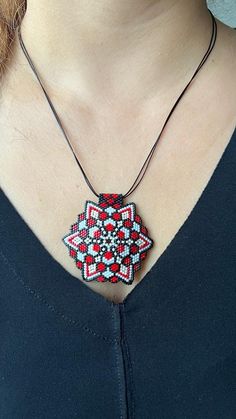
113, 71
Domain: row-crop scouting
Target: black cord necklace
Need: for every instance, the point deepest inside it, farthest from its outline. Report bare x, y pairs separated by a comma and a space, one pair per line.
109, 241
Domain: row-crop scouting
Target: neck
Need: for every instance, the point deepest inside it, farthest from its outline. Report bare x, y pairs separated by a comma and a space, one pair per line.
125, 48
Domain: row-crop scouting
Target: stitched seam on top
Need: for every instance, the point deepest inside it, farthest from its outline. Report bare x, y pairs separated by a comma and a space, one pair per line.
118, 369
130, 370
52, 308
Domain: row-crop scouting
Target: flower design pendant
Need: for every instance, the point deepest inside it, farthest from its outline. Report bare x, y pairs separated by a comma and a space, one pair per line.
108, 241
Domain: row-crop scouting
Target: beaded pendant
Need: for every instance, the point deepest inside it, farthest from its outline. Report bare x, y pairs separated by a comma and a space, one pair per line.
108, 241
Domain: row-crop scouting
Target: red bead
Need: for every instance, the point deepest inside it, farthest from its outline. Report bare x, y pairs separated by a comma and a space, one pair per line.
128, 223
120, 248
127, 261
109, 227
116, 216
136, 267
103, 215
134, 249
79, 264
89, 259
134, 235
120, 234
116, 206
97, 234
137, 218
108, 255
101, 266
83, 233
91, 222
83, 247
115, 267
75, 227
72, 253
96, 247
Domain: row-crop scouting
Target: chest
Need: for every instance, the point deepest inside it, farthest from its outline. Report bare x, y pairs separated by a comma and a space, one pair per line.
43, 181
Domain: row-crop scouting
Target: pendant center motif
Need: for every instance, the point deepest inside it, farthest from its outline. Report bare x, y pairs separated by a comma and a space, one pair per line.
108, 242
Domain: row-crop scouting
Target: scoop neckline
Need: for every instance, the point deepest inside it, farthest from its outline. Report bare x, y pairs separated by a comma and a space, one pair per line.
137, 290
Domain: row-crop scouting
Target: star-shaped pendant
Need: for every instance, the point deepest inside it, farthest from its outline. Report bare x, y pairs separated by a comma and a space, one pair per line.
108, 242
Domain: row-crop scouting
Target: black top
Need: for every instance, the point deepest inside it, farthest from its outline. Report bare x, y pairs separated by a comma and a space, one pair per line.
167, 352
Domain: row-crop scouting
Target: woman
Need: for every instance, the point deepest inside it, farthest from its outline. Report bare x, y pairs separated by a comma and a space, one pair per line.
162, 346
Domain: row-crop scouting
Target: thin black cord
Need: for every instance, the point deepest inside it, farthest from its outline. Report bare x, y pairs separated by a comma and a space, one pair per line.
206, 55
148, 159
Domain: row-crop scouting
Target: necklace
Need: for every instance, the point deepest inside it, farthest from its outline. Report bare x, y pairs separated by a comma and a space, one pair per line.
109, 241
